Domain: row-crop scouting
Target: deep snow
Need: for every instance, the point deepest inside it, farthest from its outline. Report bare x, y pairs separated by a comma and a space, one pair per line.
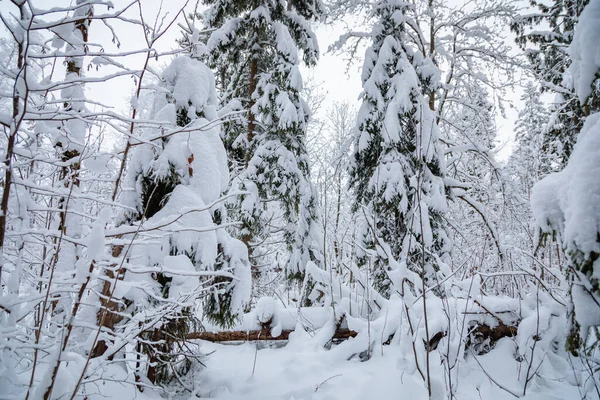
305, 370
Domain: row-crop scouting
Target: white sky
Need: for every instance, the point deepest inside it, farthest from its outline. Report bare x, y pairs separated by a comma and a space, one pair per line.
330, 72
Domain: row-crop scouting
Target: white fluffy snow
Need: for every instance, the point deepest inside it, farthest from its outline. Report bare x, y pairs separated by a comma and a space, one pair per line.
304, 370
569, 201
182, 285
185, 237
584, 51
193, 82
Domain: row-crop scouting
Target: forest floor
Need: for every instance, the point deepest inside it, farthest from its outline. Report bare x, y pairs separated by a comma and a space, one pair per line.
307, 367
303, 369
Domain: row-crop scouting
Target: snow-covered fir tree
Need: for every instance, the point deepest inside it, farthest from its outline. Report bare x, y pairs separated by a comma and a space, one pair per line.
398, 167
527, 161
528, 164
544, 34
462, 42
257, 48
176, 177
566, 203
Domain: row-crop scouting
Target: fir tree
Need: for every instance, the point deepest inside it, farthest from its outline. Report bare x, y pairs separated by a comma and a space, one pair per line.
397, 169
565, 204
178, 175
256, 51
528, 162
546, 50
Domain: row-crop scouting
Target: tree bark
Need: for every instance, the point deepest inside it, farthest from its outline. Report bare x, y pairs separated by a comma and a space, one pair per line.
251, 102
17, 118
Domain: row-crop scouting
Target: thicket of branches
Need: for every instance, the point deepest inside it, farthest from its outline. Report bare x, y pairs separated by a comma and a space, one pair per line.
123, 234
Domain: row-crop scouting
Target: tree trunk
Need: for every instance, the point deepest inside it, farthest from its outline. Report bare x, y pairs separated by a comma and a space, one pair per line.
17, 117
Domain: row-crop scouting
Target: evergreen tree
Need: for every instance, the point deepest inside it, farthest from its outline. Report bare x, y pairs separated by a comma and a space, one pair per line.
527, 162
256, 51
463, 41
565, 204
174, 181
552, 29
398, 168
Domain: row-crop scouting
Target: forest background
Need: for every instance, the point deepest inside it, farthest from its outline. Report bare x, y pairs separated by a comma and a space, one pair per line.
173, 170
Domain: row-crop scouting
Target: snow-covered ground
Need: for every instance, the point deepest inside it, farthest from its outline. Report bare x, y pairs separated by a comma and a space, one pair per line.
309, 367
303, 369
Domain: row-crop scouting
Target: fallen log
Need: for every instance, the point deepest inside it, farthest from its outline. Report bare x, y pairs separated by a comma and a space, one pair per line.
483, 338
478, 336
233, 336
496, 333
